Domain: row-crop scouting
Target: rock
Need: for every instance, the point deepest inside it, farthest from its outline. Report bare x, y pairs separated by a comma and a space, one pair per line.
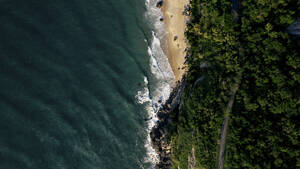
159, 4
175, 38
186, 10
160, 100
165, 159
156, 105
161, 19
159, 132
187, 7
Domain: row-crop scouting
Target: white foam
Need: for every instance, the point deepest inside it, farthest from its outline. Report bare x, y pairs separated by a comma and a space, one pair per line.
152, 105
162, 82
143, 97
159, 62
153, 15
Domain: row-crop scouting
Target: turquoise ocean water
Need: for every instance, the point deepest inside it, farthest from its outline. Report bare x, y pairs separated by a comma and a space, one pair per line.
79, 81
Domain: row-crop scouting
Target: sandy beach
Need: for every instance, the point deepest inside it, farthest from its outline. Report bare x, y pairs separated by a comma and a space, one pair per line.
176, 43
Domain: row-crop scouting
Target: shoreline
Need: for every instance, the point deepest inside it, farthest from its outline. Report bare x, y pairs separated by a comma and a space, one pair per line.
159, 132
176, 45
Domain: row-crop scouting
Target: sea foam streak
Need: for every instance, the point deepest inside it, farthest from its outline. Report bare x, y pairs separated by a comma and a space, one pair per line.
143, 97
163, 74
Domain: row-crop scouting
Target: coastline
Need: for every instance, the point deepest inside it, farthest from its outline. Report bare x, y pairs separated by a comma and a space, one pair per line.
159, 132
175, 22
176, 48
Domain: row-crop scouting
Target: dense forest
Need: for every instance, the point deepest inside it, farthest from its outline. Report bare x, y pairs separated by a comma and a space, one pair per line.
241, 51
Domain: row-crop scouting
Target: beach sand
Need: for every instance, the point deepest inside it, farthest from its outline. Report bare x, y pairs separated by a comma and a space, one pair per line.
175, 23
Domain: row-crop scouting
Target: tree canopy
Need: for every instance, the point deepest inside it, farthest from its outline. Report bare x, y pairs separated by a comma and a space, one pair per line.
250, 47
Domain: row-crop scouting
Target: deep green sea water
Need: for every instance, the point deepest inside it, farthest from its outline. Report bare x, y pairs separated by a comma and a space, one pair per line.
70, 71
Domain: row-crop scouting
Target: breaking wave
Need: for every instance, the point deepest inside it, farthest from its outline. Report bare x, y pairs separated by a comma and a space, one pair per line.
163, 77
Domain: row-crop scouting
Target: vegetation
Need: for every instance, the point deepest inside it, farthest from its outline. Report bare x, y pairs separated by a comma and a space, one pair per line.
253, 50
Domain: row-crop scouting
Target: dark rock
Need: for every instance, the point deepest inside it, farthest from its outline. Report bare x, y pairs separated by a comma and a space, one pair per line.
160, 99
159, 4
161, 19
186, 10
187, 7
175, 38
147, 119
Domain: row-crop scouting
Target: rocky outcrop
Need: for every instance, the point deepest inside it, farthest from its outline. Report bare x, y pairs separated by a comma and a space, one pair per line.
159, 131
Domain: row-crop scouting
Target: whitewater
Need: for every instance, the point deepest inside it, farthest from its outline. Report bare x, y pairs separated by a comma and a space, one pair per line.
161, 70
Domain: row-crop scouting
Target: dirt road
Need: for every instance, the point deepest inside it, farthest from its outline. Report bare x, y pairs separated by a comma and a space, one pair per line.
224, 128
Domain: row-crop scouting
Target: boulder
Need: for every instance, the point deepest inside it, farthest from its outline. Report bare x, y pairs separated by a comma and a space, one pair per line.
159, 4
175, 38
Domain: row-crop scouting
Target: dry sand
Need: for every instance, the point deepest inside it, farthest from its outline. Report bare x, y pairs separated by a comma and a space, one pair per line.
175, 23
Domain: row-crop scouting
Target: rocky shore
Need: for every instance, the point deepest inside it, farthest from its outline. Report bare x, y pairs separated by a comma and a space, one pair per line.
159, 131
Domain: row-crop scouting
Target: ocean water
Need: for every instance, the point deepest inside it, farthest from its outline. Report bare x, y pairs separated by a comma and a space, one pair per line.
80, 83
